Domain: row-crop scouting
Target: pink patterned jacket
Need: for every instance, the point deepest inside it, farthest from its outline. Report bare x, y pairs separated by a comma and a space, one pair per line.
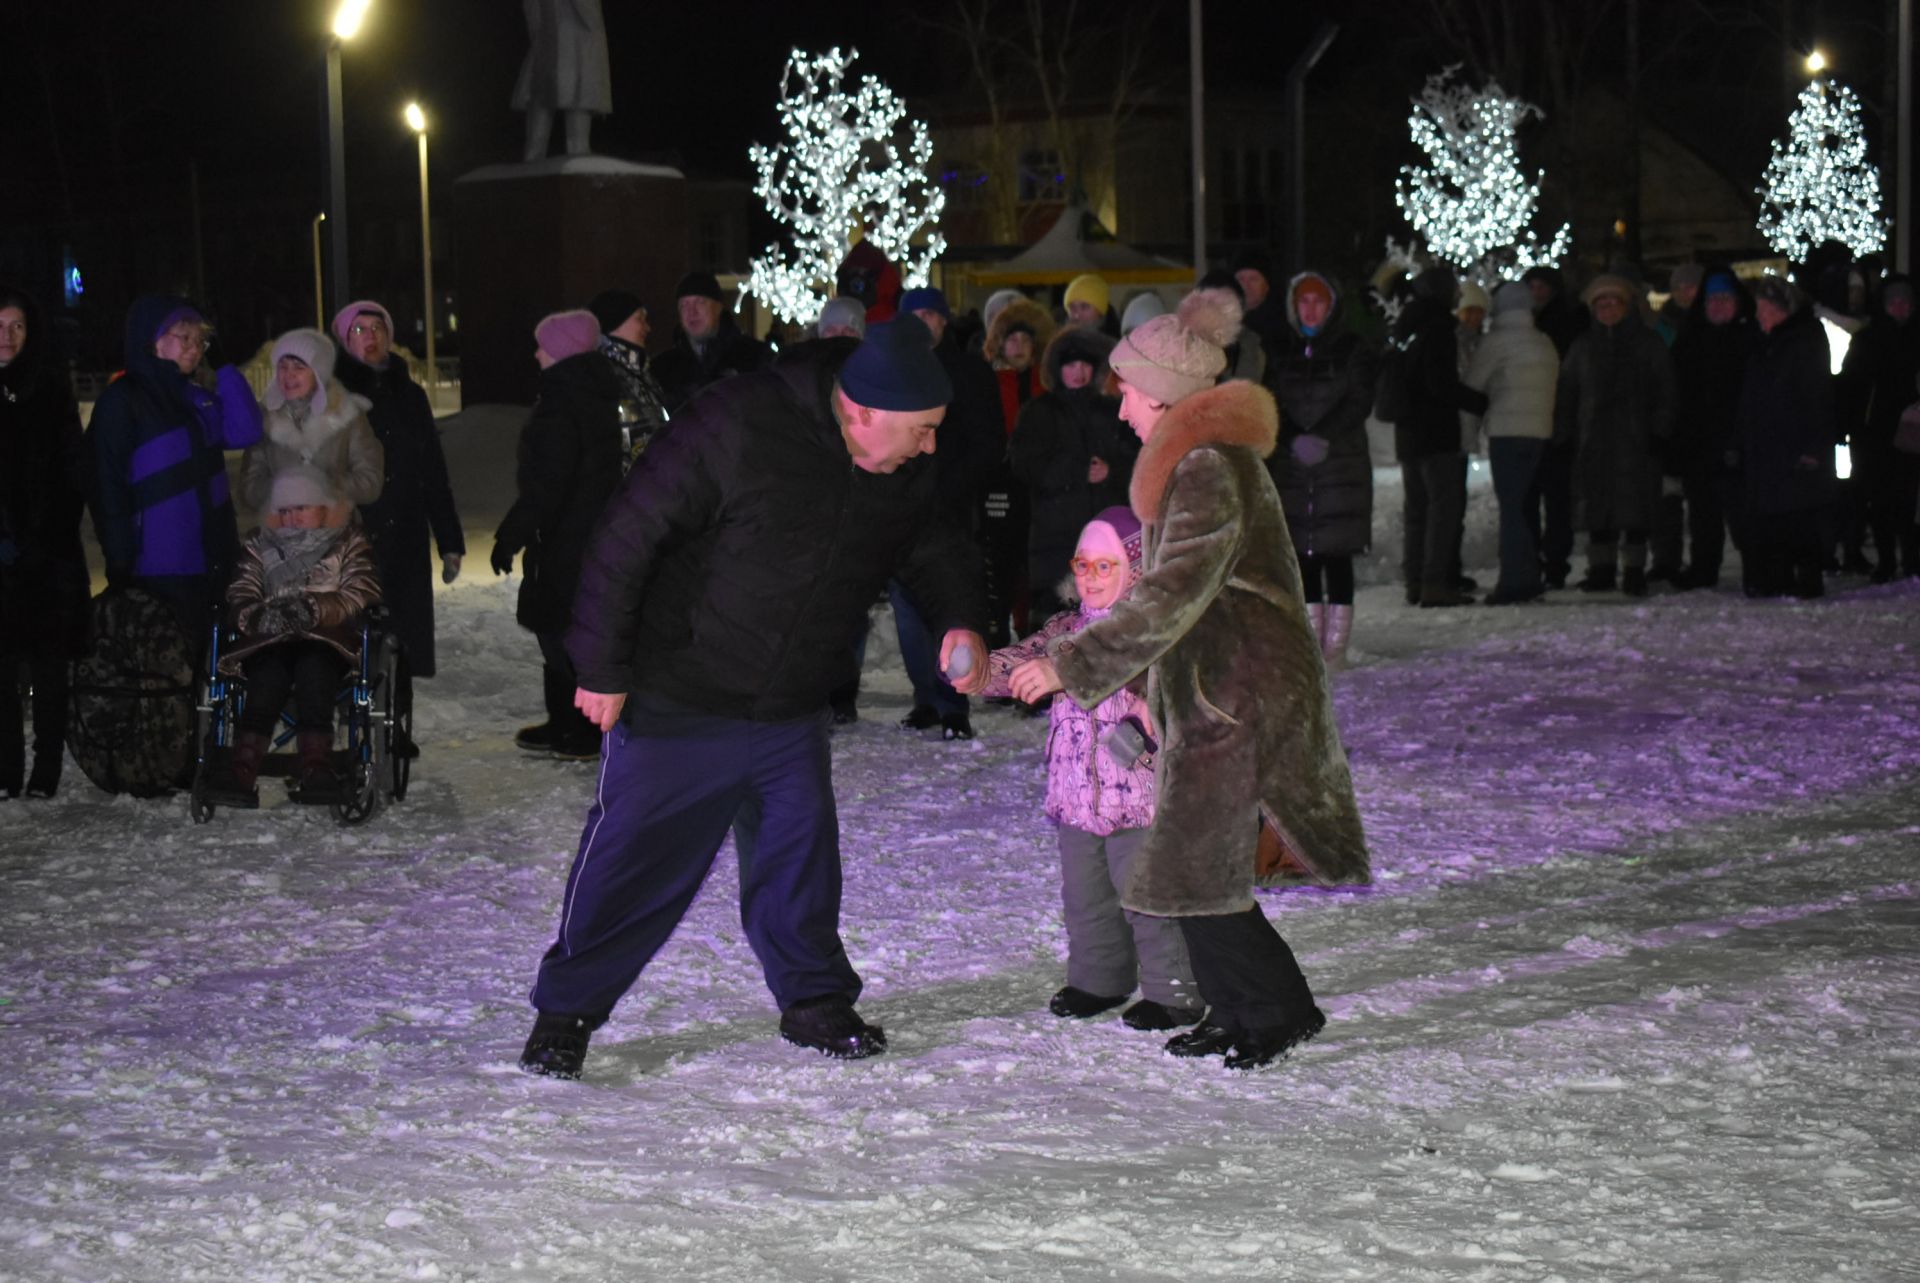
1085, 787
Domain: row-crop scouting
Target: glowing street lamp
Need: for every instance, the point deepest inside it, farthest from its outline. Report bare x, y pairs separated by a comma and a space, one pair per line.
417, 121
347, 19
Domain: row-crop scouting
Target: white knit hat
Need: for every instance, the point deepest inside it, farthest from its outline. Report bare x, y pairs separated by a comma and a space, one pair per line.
301, 486
312, 349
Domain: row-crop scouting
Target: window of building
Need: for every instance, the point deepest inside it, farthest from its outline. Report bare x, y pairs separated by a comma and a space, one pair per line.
1043, 179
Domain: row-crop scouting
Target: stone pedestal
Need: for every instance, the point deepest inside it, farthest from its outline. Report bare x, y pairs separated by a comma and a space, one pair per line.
546, 237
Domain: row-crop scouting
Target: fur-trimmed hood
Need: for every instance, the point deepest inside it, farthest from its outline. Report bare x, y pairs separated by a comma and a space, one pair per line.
1333, 307
1022, 311
334, 410
1236, 413
1075, 343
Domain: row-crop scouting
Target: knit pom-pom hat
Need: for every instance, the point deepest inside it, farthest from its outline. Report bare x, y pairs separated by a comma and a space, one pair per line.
1170, 358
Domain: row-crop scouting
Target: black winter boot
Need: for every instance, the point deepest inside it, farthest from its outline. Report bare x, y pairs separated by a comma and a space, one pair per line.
1077, 1004
921, 717
1157, 1017
1204, 1039
557, 1047
1633, 581
1257, 1048
1598, 579
832, 1027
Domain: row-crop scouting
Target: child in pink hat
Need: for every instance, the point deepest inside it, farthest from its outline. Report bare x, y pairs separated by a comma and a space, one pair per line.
1100, 794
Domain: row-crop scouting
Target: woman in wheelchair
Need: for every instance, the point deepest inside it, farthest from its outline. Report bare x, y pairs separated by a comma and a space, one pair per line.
304, 581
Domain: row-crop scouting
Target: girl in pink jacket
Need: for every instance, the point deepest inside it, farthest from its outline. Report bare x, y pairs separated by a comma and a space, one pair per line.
1100, 792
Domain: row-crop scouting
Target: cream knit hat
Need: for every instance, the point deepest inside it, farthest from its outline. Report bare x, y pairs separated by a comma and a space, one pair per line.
1172, 357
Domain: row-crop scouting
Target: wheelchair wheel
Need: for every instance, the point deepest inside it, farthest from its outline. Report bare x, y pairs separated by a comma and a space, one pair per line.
399, 725
362, 797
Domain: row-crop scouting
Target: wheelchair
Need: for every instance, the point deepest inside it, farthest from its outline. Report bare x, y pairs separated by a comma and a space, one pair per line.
374, 711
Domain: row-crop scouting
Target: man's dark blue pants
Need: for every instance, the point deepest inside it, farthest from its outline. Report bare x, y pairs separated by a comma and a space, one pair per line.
671, 785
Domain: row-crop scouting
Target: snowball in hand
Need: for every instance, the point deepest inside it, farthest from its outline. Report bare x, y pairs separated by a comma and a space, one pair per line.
960, 663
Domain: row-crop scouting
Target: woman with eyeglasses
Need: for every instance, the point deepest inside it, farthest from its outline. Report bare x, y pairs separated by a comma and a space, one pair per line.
158, 437
43, 571
1253, 786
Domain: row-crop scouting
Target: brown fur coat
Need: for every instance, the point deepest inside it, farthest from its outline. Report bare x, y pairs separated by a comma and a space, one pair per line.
340, 588
1235, 679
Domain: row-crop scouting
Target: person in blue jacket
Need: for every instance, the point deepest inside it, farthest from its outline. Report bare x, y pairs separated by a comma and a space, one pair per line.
157, 440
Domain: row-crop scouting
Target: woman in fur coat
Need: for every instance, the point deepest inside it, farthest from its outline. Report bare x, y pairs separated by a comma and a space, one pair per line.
312, 420
1252, 780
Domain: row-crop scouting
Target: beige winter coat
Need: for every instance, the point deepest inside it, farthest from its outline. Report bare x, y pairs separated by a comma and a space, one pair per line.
335, 438
1235, 677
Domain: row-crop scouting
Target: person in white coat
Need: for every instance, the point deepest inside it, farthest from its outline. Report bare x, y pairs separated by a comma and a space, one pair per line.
1516, 365
312, 420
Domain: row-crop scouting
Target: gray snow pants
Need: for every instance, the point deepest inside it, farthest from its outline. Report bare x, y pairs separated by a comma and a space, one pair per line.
1108, 947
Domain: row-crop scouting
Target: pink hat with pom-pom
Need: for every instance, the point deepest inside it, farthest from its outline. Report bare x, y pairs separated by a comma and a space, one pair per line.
1172, 357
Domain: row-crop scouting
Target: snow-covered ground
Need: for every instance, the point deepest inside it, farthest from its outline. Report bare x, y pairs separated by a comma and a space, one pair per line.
1635, 996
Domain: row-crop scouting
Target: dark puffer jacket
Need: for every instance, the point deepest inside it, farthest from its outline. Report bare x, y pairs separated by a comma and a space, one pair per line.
1058, 436
415, 509
1877, 383
43, 591
734, 570
1324, 384
1786, 418
570, 459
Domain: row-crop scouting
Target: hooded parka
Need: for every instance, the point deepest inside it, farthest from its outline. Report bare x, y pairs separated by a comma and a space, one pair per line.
1324, 383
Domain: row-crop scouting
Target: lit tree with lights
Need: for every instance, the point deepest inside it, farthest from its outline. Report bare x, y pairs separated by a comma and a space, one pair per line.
852, 161
1471, 202
1818, 186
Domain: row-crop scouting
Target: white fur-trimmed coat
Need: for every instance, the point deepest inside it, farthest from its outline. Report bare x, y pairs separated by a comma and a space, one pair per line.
336, 438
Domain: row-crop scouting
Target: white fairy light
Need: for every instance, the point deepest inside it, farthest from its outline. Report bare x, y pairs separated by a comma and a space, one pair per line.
1471, 202
1818, 186
852, 161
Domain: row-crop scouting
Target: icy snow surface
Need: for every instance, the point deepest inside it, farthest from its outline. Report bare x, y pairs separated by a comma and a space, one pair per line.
1634, 998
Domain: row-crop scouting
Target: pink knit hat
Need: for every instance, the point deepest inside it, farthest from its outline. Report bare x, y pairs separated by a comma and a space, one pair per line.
1172, 357
566, 334
343, 319
1118, 526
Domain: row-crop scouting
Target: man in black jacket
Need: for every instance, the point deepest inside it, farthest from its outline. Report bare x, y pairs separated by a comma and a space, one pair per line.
707, 347
1426, 439
718, 606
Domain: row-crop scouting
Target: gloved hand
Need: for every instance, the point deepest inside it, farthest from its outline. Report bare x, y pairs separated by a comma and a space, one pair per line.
9, 552
1309, 450
282, 615
502, 560
449, 567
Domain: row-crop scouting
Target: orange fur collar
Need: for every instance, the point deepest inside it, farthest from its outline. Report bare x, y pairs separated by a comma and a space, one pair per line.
1236, 413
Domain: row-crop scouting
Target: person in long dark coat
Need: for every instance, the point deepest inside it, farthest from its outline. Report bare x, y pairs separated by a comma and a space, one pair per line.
416, 509
707, 347
570, 463
43, 571
1709, 364
1786, 422
1615, 401
1074, 456
1563, 320
1323, 375
1878, 382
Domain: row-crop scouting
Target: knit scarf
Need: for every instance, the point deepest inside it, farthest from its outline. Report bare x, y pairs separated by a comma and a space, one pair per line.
287, 557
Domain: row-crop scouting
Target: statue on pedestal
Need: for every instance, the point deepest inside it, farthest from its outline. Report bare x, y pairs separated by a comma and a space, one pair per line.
566, 71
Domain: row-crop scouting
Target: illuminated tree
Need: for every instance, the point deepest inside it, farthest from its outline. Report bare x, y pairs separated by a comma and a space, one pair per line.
852, 160
1471, 202
1818, 186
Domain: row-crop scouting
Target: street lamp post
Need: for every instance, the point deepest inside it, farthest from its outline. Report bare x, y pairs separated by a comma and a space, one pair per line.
417, 121
346, 24
319, 292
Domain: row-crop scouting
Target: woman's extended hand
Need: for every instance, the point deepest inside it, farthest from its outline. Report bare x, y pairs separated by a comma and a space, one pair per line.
1034, 680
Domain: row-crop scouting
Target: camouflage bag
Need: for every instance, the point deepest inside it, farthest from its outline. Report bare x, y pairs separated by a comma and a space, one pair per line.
134, 696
